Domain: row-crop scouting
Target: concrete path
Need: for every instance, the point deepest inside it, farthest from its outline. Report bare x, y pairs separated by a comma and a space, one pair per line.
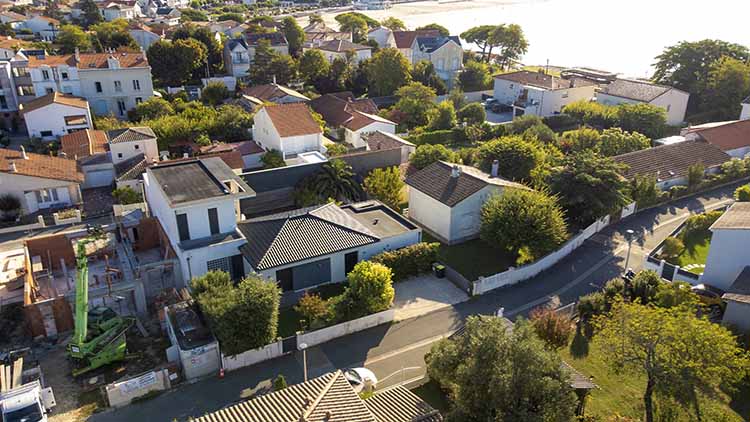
424, 294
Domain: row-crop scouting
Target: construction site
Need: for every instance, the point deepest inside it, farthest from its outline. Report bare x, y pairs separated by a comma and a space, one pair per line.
88, 303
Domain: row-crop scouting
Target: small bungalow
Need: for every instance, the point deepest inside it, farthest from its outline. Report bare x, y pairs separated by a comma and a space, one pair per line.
287, 128
55, 115
354, 116
636, 91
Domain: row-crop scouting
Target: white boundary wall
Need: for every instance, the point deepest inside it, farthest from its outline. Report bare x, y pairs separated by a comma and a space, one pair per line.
124, 392
345, 328
251, 357
513, 276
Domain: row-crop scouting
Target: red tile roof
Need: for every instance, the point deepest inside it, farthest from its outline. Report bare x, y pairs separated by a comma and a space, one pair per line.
91, 61
56, 98
339, 108
83, 143
292, 119
404, 39
728, 136
43, 166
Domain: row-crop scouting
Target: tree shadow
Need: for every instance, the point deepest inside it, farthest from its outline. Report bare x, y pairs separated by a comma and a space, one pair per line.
579, 347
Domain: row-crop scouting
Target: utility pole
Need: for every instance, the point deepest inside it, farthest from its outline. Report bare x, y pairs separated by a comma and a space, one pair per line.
630, 234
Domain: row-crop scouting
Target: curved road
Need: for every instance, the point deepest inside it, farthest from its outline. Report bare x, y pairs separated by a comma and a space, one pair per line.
395, 352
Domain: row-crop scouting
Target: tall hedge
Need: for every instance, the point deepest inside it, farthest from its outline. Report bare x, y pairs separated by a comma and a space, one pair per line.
409, 261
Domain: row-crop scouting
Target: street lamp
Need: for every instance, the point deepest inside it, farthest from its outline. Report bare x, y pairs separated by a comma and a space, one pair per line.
303, 347
630, 234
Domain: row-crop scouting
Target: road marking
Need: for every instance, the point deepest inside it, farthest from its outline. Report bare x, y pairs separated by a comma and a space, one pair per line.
399, 372
408, 348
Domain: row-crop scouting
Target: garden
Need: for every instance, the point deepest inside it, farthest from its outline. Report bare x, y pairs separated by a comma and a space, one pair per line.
689, 247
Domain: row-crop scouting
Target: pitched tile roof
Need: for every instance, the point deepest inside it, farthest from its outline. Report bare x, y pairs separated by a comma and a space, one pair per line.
272, 92
542, 80
83, 143
341, 46
671, 161
398, 404
139, 133
91, 60
244, 147
313, 37
132, 168
38, 165
293, 119
338, 108
360, 120
289, 237
635, 89
437, 181
381, 140
727, 136
54, 98
275, 38
404, 39
739, 291
736, 217
430, 44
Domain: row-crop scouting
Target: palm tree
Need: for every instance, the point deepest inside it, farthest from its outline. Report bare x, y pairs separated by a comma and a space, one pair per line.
336, 180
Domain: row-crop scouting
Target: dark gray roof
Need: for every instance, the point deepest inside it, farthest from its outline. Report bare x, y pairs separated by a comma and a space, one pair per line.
194, 180
667, 162
736, 217
746, 100
437, 182
235, 42
430, 44
739, 291
96, 159
132, 168
289, 237
398, 404
280, 177
340, 46
275, 38
635, 89
130, 134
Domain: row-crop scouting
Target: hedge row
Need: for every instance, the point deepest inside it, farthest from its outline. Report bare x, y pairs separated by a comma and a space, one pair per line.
456, 135
409, 261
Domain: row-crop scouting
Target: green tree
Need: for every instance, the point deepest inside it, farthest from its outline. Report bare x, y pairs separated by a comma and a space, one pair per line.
152, 108
393, 23
385, 185
90, 14
279, 383
479, 35
492, 373
335, 180
424, 73
313, 66
214, 93
415, 102
541, 133
387, 71
370, 288
315, 18
687, 65
126, 195
647, 119
472, 114
214, 48
643, 190
727, 85
511, 41
679, 354
425, 155
113, 35
269, 64
343, 17
313, 309
589, 187
294, 34
582, 139
742, 193
173, 63
526, 222
695, 175
475, 77
554, 328
355, 24
517, 157
232, 16
244, 316
672, 247
6, 30
435, 27
272, 159
72, 37
442, 117
615, 141
336, 150
592, 114
192, 15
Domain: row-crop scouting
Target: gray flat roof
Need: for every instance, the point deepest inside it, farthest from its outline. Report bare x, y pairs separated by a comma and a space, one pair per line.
378, 219
194, 180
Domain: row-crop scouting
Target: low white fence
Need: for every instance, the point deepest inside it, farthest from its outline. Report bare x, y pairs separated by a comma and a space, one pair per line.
251, 357
514, 275
122, 393
345, 328
76, 218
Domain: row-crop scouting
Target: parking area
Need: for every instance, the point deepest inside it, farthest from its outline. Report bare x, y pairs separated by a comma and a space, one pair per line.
424, 294
497, 118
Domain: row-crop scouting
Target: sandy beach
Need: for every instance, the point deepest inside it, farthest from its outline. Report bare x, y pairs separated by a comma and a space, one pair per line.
617, 35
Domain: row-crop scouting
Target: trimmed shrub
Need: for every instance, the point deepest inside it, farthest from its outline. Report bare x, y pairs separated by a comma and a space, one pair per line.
433, 137
370, 289
700, 222
561, 122
409, 261
591, 305
554, 328
742, 193
672, 247
677, 191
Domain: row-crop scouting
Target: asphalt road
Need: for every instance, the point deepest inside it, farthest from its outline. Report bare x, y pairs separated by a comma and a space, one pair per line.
395, 352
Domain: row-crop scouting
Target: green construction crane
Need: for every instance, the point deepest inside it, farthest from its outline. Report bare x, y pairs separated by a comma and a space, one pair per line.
99, 340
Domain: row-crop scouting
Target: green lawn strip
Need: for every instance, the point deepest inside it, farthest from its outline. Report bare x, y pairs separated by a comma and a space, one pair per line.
696, 250
473, 258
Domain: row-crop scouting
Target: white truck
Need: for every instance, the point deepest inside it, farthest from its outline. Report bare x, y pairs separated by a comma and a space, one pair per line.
23, 397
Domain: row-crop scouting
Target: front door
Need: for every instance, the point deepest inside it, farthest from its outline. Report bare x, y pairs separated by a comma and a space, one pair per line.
350, 260
285, 278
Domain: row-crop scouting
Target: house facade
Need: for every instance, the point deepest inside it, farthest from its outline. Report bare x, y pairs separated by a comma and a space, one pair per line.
446, 199
737, 298
236, 58
731, 137
287, 128
728, 254
745, 111
383, 36
55, 115
44, 27
342, 49
125, 144
540, 94
144, 37
40, 181
445, 53
404, 41
363, 124
633, 91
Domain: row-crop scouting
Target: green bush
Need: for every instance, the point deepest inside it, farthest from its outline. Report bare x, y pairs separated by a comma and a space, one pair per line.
433, 137
591, 305
126, 195
561, 122
677, 191
409, 261
672, 247
272, 159
699, 222
742, 193
370, 289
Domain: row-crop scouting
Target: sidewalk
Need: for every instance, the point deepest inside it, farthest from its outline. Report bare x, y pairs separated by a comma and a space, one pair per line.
424, 294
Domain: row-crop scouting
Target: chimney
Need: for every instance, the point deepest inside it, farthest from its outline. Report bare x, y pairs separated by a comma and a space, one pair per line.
23, 153
495, 168
184, 155
13, 168
77, 55
165, 157
456, 171
274, 79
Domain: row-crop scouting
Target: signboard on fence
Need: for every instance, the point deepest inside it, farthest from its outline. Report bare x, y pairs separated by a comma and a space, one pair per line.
140, 383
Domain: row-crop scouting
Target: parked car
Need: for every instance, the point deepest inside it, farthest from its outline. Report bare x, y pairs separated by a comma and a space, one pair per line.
489, 102
360, 378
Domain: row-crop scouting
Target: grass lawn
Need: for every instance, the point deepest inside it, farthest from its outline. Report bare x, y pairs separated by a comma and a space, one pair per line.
289, 319
473, 258
696, 250
433, 395
623, 393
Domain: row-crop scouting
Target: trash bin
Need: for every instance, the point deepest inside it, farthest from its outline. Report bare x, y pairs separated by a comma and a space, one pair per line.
439, 270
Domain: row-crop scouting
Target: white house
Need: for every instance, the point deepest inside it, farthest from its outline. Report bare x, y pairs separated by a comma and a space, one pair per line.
364, 123
540, 94
728, 253
90, 149
342, 49
113, 83
144, 36
731, 137
633, 91
40, 181
236, 58
197, 205
445, 53
383, 36
355, 116
15, 20
44, 27
56, 114
737, 298
305, 248
404, 41
287, 128
119, 9
745, 113
130, 142
446, 199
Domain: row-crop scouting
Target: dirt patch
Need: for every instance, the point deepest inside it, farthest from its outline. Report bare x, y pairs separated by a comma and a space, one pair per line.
13, 327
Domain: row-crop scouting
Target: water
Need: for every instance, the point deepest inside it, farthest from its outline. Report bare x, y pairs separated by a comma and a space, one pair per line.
621, 36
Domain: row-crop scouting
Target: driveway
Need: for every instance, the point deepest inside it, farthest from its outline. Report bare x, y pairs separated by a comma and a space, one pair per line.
424, 294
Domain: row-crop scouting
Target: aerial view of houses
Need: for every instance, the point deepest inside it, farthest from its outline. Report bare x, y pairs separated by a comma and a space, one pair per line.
374, 211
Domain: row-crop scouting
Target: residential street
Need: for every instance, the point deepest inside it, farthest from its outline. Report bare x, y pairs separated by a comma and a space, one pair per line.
395, 353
